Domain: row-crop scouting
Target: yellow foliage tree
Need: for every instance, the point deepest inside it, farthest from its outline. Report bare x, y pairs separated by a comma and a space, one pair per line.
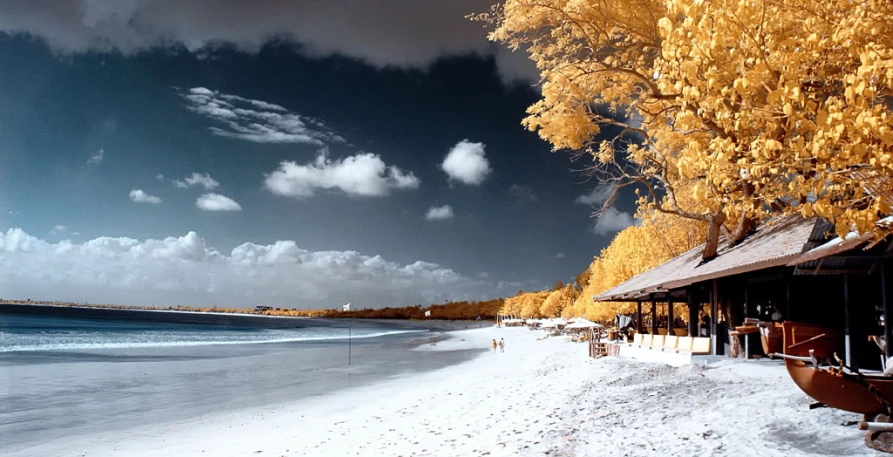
634, 250
558, 300
532, 303
751, 107
512, 305
526, 304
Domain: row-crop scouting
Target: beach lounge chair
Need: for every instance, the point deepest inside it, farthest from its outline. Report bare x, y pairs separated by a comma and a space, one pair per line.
657, 342
670, 343
684, 345
680, 332
646, 340
700, 346
637, 340
661, 331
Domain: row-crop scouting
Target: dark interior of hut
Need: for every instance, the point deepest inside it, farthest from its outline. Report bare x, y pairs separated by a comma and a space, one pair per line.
837, 301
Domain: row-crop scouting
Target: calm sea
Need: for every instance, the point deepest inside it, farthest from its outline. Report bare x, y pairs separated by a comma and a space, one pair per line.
65, 376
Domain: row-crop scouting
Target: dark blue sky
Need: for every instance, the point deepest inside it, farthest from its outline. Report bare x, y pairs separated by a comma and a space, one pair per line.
518, 228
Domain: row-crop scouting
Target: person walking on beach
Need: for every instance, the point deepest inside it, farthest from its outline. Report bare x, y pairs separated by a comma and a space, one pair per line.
494, 344
501, 345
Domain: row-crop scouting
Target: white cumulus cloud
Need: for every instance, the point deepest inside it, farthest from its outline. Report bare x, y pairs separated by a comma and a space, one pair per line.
466, 163
184, 269
138, 196
216, 202
439, 213
203, 180
364, 174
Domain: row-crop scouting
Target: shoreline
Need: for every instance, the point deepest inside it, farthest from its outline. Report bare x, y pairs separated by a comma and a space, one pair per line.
538, 397
210, 317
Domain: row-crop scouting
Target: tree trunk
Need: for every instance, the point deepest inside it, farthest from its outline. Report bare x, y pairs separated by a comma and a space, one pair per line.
744, 226
730, 314
713, 231
745, 223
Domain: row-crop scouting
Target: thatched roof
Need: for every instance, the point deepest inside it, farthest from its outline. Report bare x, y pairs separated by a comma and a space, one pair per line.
773, 244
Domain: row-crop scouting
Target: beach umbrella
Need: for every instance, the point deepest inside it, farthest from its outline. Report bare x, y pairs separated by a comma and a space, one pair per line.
583, 323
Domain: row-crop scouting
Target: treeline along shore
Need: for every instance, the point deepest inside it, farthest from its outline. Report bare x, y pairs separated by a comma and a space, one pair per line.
150, 315
485, 310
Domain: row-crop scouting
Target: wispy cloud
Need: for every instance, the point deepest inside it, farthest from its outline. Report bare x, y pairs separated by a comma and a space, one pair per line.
439, 213
467, 163
98, 157
138, 196
560, 255
598, 196
159, 177
364, 174
203, 180
522, 193
216, 202
58, 229
612, 221
256, 120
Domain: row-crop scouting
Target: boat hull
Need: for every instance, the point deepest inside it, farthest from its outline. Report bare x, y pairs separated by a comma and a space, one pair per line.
857, 394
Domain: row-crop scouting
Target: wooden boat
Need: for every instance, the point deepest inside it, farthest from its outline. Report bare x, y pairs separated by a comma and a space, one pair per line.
770, 334
810, 358
772, 337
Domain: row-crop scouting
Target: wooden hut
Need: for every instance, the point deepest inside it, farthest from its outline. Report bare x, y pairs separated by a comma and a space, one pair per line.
787, 269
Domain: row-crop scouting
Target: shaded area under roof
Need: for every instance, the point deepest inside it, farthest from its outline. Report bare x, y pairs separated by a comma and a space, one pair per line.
773, 244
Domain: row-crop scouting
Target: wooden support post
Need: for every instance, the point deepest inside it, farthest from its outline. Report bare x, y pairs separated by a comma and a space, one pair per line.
653, 317
746, 312
670, 319
848, 324
639, 327
714, 317
787, 298
692, 314
887, 300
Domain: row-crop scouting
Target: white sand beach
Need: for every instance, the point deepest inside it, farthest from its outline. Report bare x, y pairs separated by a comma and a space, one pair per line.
537, 398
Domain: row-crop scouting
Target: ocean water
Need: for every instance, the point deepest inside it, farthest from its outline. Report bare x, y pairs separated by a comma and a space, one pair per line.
63, 376
33, 333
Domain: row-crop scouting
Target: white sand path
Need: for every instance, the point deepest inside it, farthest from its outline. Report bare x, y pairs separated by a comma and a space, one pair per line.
538, 398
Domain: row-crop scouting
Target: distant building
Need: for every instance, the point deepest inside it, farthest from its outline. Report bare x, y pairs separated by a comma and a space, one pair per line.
261, 309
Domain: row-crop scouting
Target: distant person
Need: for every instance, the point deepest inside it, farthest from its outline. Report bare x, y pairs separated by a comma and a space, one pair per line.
501, 345
494, 344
